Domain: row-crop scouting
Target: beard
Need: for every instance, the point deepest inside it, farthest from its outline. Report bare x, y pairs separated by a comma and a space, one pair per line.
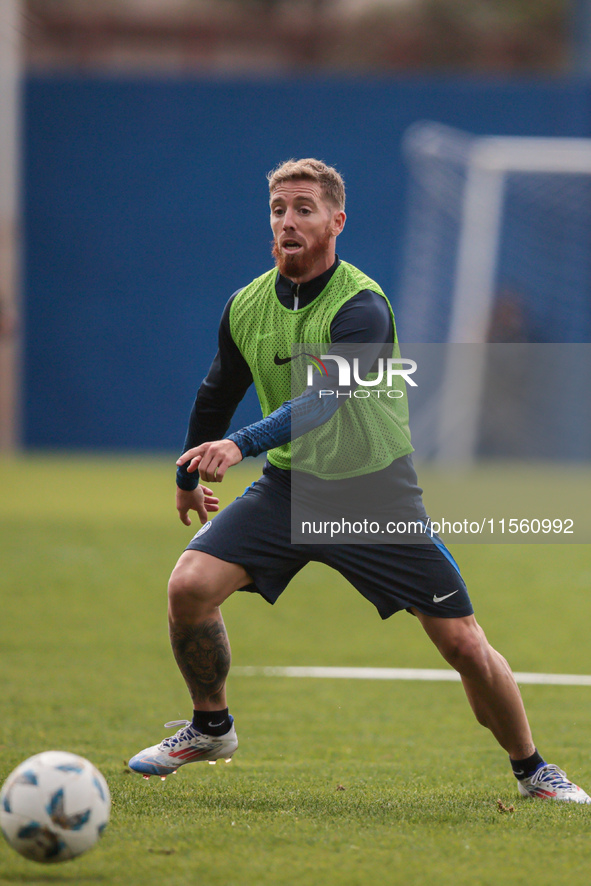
294, 266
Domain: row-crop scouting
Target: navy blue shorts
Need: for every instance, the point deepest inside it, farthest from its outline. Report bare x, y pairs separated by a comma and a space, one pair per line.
255, 532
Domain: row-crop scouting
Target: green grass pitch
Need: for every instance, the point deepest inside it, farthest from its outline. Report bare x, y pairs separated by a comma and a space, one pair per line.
335, 781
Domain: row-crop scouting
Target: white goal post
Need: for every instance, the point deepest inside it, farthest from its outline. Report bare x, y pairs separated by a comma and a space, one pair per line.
486, 163
10, 335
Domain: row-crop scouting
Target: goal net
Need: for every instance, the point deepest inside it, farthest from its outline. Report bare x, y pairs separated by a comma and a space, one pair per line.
498, 243
498, 249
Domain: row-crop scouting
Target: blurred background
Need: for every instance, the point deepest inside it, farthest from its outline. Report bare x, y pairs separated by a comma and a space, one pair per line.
135, 136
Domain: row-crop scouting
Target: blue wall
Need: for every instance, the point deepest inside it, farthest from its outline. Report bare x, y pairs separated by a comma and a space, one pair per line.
145, 208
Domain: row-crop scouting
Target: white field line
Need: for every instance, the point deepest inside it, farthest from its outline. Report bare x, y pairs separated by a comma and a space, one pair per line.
402, 674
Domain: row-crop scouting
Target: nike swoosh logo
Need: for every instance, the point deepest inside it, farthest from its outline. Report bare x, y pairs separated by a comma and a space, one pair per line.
215, 724
280, 361
519, 772
437, 599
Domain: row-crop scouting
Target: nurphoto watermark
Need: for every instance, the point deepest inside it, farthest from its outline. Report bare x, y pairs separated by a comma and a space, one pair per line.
468, 443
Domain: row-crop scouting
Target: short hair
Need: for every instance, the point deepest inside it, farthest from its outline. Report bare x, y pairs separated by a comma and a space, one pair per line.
330, 181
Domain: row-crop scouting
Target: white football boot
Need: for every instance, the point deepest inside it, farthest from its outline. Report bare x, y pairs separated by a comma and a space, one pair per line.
186, 746
550, 783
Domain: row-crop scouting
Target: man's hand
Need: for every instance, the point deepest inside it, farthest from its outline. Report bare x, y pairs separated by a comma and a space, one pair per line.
212, 459
201, 500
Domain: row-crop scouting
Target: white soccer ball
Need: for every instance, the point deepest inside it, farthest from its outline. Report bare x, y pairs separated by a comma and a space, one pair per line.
54, 806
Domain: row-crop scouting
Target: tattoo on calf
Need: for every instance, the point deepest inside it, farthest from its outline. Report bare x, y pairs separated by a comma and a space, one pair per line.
202, 653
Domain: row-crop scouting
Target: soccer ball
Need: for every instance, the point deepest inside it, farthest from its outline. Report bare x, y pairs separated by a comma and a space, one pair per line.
54, 806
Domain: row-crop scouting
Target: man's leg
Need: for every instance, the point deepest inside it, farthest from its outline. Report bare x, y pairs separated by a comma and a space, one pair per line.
488, 680
198, 586
497, 704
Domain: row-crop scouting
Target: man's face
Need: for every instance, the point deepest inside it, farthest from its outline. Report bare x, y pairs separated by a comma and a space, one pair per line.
305, 227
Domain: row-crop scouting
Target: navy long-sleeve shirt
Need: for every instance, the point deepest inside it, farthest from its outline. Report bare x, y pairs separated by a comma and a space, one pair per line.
365, 318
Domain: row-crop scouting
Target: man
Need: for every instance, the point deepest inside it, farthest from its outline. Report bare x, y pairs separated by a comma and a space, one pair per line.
312, 296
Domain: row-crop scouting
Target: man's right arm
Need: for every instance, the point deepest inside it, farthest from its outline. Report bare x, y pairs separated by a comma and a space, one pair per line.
221, 391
